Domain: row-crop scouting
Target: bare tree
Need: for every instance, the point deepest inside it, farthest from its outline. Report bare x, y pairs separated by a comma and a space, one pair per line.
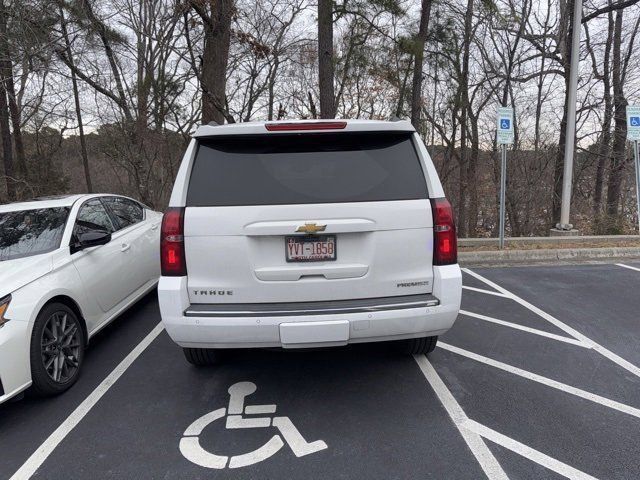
325, 59
124, 82
76, 98
618, 154
216, 17
604, 142
416, 85
5, 132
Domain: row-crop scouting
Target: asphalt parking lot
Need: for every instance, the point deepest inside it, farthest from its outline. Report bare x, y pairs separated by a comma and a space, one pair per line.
538, 379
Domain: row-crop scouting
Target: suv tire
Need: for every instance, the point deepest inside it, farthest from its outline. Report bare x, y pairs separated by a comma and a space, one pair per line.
49, 344
201, 357
419, 346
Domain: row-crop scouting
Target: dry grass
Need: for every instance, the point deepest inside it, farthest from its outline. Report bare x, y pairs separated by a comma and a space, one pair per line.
514, 245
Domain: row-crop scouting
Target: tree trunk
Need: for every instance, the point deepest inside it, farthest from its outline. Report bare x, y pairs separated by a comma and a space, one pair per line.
5, 132
312, 106
472, 178
605, 138
215, 59
618, 160
538, 117
271, 88
16, 121
144, 72
465, 169
325, 59
7, 150
421, 39
102, 31
402, 92
76, 98
604, 149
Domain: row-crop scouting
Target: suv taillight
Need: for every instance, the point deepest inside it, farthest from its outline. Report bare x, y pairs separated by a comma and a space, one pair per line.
445, 243
173, 262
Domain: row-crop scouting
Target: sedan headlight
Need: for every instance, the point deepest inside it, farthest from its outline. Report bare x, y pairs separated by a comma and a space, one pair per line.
4, 305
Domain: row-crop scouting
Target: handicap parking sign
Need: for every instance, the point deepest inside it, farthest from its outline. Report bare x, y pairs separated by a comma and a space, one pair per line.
633, 123
505, 125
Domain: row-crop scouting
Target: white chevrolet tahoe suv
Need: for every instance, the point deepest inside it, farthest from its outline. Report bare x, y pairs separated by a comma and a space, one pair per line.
307, 234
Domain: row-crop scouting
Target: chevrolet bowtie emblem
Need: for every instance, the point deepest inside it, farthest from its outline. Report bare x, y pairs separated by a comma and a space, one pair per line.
311, 228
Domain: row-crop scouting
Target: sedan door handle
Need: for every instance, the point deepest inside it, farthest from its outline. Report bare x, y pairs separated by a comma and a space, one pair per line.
154, 227
125, 247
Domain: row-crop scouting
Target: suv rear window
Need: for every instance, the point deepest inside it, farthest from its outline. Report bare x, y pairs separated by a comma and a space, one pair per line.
305, 168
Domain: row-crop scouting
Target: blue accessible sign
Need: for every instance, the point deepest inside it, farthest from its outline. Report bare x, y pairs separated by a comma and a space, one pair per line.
505, 125
633, 123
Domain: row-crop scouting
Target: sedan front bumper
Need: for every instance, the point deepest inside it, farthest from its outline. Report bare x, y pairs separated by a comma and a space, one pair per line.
15, 371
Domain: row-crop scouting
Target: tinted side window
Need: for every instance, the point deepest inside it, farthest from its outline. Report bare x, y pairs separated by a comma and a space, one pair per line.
93, 216
127, 212
306, 168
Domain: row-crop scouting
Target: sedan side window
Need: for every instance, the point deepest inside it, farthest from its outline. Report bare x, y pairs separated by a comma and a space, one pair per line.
93, 216
127, 212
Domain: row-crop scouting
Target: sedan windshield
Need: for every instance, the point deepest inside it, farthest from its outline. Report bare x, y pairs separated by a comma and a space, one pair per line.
24, 233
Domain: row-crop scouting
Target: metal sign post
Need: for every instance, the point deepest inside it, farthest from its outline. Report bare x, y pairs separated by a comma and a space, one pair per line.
503, 188
635, 152
633, 134
504, 137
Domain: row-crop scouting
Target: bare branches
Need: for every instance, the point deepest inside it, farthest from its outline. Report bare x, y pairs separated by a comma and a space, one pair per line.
609, 8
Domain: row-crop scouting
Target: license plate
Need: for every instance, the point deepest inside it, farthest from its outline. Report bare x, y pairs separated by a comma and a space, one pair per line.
317, 248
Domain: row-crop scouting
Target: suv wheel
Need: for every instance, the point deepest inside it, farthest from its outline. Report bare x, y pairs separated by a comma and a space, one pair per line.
57, 350
201, 357
419, 346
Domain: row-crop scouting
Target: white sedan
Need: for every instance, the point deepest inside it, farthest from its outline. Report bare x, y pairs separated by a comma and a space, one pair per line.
68, 266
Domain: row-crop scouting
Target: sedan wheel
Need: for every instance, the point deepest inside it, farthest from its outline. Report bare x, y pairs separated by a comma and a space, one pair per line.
60, 344
57, 349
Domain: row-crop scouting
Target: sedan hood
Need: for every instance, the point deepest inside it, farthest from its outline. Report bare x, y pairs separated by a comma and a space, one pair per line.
15, 274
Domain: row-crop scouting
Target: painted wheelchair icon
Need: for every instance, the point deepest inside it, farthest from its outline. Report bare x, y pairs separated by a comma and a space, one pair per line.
192, 450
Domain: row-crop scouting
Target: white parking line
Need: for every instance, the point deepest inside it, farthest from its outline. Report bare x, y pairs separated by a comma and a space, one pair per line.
482, 290
628, 266
535, 331
621, 407
526, 451
40, 455
561, 325
485, 458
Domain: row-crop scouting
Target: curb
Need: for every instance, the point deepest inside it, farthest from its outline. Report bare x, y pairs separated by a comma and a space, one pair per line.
546, 256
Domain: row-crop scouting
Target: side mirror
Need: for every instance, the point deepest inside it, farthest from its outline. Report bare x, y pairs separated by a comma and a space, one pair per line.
93, 239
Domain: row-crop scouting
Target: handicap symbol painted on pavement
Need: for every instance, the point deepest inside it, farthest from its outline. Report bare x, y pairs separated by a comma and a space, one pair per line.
505, 124
634, 121
194, 452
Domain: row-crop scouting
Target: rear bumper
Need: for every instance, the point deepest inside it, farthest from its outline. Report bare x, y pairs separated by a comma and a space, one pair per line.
310, 324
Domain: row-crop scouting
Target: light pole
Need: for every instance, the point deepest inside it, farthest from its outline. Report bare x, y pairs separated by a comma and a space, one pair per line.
567, 178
